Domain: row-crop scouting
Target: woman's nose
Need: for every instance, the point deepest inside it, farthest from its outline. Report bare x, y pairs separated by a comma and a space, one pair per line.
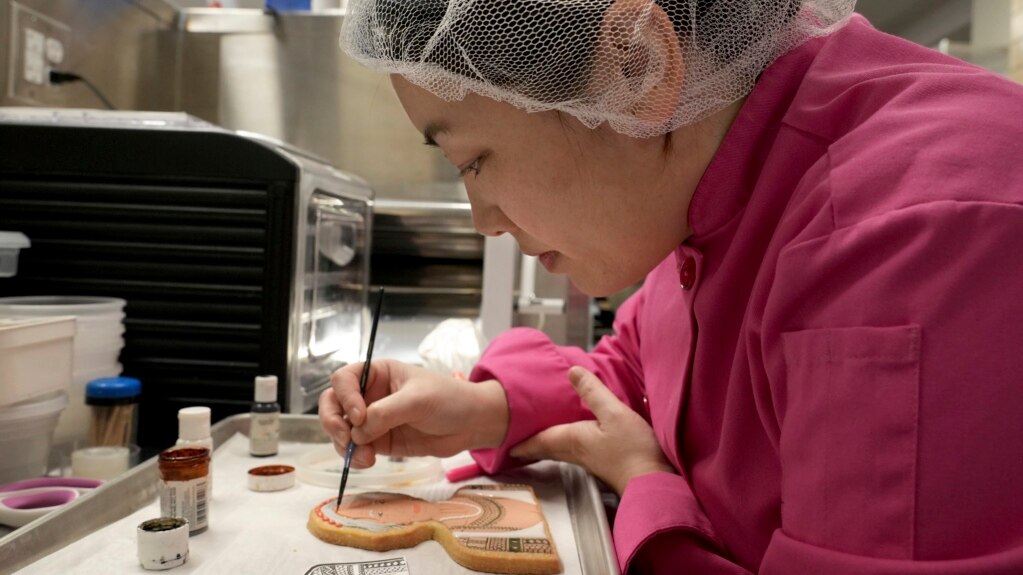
489, 220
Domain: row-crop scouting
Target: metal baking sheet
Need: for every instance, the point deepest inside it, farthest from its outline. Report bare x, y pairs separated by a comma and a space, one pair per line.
138, 488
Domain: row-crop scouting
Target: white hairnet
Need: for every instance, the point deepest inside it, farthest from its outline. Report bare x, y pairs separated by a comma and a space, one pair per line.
645, 67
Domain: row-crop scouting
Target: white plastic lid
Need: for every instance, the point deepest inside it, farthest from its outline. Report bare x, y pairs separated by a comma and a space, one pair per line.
14, 240
266, 388
321, 465
62, 305
193, 423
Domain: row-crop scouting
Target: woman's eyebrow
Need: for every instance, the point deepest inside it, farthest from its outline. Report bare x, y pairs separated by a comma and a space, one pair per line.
431, 131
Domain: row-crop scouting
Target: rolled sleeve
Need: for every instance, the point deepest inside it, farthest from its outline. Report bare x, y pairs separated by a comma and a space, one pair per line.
534, 374
643, 513
660, 529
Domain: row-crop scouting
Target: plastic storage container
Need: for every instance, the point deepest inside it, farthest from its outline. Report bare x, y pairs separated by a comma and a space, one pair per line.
26, 433
10, 244
97, 344
35, 357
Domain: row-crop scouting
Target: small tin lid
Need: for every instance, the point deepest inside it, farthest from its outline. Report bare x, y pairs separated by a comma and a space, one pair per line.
271, 477
112, 388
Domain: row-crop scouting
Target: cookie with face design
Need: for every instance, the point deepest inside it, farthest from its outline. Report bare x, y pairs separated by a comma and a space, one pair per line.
495, 528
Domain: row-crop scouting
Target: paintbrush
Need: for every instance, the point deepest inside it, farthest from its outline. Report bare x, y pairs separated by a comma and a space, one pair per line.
362, 391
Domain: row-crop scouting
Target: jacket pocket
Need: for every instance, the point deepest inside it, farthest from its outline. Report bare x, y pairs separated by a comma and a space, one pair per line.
849, 438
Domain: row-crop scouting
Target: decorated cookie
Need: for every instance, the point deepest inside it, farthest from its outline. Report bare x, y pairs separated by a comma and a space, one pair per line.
495, 528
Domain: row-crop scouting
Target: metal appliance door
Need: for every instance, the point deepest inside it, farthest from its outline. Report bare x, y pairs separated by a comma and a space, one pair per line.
334, 289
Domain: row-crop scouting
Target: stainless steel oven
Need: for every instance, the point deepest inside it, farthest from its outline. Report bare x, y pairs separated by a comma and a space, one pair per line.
237, 255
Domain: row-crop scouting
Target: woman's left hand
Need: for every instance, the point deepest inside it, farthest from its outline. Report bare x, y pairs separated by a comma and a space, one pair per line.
616, 447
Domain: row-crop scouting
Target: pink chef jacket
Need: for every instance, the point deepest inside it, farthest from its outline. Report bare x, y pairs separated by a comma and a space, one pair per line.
839, 378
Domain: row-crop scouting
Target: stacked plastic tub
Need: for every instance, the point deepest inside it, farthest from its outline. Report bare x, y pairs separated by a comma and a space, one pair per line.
35, 372
98, 340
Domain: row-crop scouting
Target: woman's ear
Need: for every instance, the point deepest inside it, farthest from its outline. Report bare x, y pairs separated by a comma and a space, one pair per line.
639, 66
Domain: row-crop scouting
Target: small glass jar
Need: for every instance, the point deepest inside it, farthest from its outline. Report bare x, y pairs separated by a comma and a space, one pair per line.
184, 486
113, 403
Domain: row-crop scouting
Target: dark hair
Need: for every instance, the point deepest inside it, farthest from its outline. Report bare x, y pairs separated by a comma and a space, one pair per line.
559, 70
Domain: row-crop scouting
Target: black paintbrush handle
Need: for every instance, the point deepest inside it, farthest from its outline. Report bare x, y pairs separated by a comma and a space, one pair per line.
372, 342
362, 390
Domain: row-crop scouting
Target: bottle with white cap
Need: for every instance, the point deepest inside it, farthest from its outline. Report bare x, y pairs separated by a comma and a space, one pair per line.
194, 427
265, 419
194, 431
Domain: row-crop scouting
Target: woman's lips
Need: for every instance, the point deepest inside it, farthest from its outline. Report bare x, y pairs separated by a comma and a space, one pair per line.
549, 260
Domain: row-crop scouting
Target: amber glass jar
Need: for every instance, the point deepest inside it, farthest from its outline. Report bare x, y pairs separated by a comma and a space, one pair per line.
184, 486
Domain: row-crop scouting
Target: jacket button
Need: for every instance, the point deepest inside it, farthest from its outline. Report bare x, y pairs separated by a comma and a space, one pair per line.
687, 273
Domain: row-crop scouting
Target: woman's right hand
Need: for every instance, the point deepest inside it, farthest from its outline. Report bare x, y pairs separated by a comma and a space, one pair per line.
411, 411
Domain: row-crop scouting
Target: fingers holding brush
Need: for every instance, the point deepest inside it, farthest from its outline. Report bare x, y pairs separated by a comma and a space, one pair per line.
342, 406
333, 418
337, 424
364, 455
344, 384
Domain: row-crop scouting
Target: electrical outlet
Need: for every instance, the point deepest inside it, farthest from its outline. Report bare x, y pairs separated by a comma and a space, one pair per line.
38, 44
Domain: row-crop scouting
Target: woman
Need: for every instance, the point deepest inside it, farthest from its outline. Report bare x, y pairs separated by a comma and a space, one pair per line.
821, 371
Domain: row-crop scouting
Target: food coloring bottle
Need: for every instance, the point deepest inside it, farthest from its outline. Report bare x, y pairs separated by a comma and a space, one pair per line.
265, 422
194, 431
